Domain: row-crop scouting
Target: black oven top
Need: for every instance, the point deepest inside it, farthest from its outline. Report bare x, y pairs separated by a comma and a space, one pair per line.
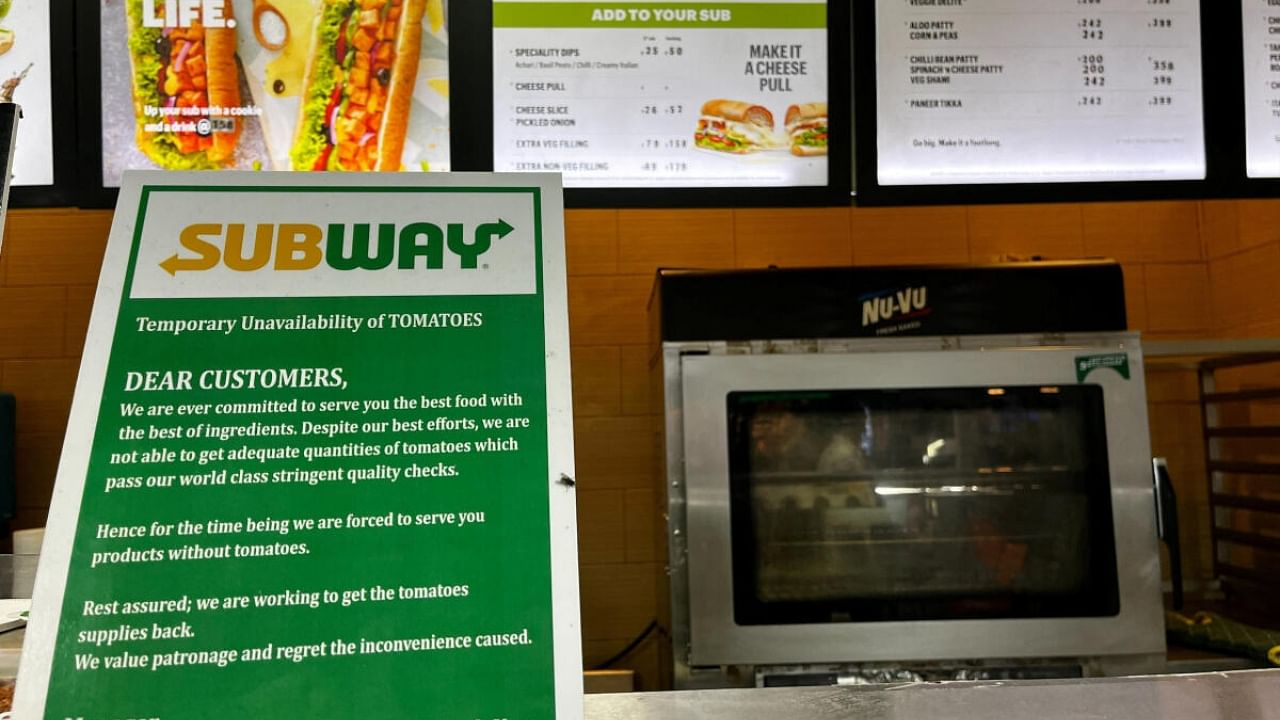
858, 302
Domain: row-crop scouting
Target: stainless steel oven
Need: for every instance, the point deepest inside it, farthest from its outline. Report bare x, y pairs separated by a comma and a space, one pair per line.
969, 501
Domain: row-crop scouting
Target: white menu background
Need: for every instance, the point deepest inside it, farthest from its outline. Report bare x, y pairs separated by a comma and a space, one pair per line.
1262, 87
616, 107
1026, 91
33, 155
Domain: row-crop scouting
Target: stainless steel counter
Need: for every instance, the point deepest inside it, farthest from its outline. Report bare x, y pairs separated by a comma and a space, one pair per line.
1222, 696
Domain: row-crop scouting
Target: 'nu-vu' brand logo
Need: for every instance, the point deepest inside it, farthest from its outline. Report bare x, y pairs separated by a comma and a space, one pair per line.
895, 305
360, 246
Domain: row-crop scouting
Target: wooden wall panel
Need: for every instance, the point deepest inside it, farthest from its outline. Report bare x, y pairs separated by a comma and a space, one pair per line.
602, 527
79, 308
637, 394
650, 239
1259, 223
1149, 232
785, 238
1219, 228
43, 389
1135, 296
1178, 298
1243, 286
1053, 232
609, 309
591, 242
617, 600
640, 520
900, 236
32, 322
37, 259
596, 380
613, 447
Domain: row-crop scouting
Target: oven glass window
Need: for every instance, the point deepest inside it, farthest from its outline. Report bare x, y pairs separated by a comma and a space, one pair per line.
918, 504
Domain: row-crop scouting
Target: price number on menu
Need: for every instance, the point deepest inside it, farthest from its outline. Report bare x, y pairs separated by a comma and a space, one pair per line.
667, 167
1161, 101
1160, 23
1090, 101
1091, 29
659, 51
667, 144
1093, 70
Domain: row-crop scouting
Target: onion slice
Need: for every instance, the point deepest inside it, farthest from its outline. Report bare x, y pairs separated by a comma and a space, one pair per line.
179, 61
364, 140
333, 125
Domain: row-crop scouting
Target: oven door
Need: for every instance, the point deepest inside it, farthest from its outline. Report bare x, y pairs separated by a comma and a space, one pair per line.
917, 505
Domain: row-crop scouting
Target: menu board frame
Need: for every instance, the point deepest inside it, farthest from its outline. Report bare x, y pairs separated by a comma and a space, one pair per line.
472, 33
62, 66
1218, 62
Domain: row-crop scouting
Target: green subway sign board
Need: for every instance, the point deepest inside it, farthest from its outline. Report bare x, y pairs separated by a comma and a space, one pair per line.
315, 458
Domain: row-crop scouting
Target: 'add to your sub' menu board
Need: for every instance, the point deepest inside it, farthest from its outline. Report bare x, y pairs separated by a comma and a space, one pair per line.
654, 95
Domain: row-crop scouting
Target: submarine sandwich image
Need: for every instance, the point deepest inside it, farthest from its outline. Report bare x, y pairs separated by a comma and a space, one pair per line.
179, 74
807, 128
734, 127
358, 85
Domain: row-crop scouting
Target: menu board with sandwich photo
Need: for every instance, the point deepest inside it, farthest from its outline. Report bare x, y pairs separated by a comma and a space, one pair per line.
662, 94
353, 85
26, 79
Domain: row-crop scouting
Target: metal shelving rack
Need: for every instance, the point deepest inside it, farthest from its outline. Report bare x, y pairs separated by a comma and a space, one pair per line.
1239, 480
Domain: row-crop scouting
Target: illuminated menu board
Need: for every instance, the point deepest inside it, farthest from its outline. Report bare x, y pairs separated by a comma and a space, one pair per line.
355, 85
662, 94
1262, 87
26, 78
1038, 91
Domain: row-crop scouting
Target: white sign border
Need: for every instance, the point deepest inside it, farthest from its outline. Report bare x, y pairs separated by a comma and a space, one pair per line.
38, 649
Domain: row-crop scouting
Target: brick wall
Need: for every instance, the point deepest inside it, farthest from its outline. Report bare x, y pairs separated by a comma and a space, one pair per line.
1192, 270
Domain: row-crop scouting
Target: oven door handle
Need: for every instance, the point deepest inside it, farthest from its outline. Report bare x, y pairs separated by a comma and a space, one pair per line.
1167, 524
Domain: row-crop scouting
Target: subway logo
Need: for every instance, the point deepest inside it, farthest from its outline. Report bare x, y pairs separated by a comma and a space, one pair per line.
360, 246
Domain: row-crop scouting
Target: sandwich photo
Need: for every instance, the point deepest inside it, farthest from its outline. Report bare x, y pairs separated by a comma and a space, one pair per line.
807, 128
734, 127
179, 73
359, 85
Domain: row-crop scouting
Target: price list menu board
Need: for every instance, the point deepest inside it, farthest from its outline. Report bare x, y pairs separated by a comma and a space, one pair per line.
1038, 91
1262, 87
662, 94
